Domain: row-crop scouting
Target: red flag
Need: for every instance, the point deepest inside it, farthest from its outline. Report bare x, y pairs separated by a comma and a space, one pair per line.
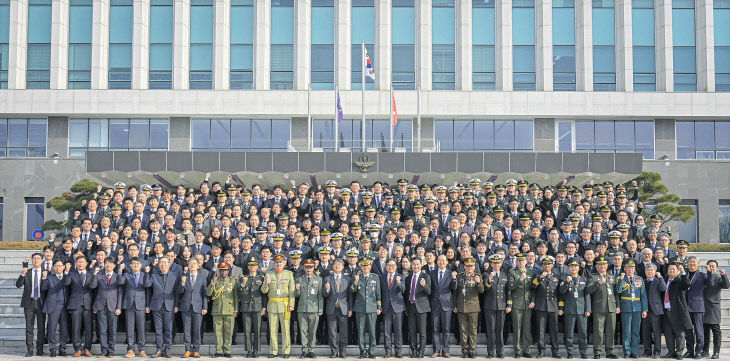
395, 112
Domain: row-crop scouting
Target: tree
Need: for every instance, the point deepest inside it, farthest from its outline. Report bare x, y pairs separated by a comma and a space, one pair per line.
653, 192
70, 201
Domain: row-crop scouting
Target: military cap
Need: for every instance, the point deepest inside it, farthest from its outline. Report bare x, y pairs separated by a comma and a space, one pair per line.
491, 195
620, 187
602, 194
367, 194
412, 188
116, 207
104, 196
521, 256
562, 188
576, 192
623, 227
566, 221
337, 236
431, 199
656, 218
425, 187
441, 189
534, 186
245, 192
345, 191
495, 258
309, 263
525, 217
221, 194
470, 262
573, 262
614, 234
145, 187
374, 228
522, 183
605, 209
475, 181
370, 208
231, 187
418, 204
498, 209
279, 258
294, 254
621, 195
548, 260
402, 182
601, 260
574, 217
468, 195
224, 266
678, 262
277, 237
388, 196
511, 182
283, 216
356, 226
364, 239
353, 253
330, 183
366, 262
325, 232
395, 210
487, 185
253, 262
587, 186
120, 185
453, 189
597, 217
156, 187
608, 184
682, 244
630, 263
261, 229
325, 250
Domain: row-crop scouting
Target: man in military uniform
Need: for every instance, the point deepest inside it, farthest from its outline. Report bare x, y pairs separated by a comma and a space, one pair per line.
601, 287
223, 290
367, 306
576, 307
310, 307
496, 295
252, 305
546, 307
279, 287
468, 287
634, 306
521, 304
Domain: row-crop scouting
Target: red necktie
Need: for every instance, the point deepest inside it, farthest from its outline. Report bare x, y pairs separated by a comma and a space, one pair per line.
666, 294
108, 280
390, 281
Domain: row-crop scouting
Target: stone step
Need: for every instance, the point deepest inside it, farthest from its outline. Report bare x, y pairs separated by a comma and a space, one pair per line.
11, 308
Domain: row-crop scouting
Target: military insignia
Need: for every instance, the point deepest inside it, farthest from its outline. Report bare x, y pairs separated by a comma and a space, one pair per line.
364, 163
637, 282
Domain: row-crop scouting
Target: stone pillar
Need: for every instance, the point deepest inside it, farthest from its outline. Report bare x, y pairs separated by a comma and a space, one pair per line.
262, 45
17, 44
624, 47
141, 45
663, 49
302, 44
180, 134
222, 42
343, 49
100, 46
544, 129
59, 44
181, 46
664, 139
705, 24
583, 45
544, 45
463, 44
503, 44
383, 44
423, 44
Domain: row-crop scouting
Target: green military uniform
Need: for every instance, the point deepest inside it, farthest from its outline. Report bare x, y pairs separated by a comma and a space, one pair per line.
366, 306
252, 302
224, 293
603, 305
467, 307
279, 287
310, 307
631, 292
522, 296
575, 303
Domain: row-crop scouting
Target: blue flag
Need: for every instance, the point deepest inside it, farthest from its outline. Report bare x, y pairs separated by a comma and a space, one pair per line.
340, 115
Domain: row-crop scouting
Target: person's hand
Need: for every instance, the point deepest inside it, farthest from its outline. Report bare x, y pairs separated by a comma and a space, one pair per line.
544, 274
531, 305
422, 282
147, 310
121, 267
681, 269
96, 271
707, 267
669, 228
378, 312
154, 263
508, 310
523, 276
602, 280
52, 236
27, 258
560, 312
68, 267
633, 183
149, 249
147, 269
456, 310
453, 275
349, 313
357, 278
118, 312
235, 314
397, 279
643, 314
618, 310
185, 270
299, 286
319, 314
478, 279
722, 272
207, 176
24, 271
623, 275
582, 264
244, 280
183, 279
291, 308
263, 312
93, 263
268, 280
588, 314
216, 278
327, 287
204, 312
98, 239
176, 309
45, 274
569, 279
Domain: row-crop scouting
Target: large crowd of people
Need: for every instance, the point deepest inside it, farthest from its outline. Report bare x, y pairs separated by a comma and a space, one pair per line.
342, 264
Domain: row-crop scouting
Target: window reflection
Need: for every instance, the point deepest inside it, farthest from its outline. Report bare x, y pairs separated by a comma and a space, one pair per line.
241, 135
608, 136
23, 137
484, 135
140, 134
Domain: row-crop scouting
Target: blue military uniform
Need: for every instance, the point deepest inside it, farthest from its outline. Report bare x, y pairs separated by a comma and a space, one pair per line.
633, 302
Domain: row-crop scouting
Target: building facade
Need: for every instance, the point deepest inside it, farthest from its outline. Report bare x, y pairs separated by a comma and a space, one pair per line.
520, 76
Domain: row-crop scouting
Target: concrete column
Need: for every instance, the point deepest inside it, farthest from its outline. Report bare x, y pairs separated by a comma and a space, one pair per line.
663, 49
343, 49
57, 136
222, 42
302, 43
544, 129
583, 45
18, 44
179, 134
624, 47
383, 44
705, 24
463, 41
141, 45
59, 44
262, 45
100, 46
503, 46
544, 44
665, 139
181, 46
423, 44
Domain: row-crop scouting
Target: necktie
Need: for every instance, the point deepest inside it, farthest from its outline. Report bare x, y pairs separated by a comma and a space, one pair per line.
390, 281
136, 280
441, 276
199, 246
337, 281
192, 279
48, 267
666, 293
36, 286
108, 280
413, 289
83, 278
85, 237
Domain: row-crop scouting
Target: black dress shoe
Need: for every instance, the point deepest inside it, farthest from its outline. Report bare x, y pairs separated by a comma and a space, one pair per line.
612, 356
254, 355
596, 356
698, 356
29, 353
285, 356
539, 354
343, 355
272, 355
215, 355
688, 354
62, 353
679, 356
715, 356
633, 356
387, 355
311, 355
670, 355
371, 355
227, 355
168, 354
398, 355
303, 355
526, 355
39, 353
556, 355
362, 354
570, 356
583, 356
53, 353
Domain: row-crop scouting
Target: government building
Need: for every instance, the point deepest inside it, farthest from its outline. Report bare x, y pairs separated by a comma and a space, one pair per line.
165, 91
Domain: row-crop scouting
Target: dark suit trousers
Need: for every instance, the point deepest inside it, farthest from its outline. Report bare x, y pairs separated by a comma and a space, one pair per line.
393, 331
135, 327
81, 318
58, 319
696, 335
252, 330
494, 321
570, 324
716, 338
337, 322
441, 329
417, 329
192, 322
366, 323
674, 334
551, 319
35, 314
108, 329
163, 329
652, 327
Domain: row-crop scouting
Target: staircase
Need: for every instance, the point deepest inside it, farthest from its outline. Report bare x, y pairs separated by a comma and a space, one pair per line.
12, 319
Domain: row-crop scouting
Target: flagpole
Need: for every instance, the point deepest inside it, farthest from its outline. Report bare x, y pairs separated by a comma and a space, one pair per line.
309, 118
337, 120
390, 108
418, 110
364, 66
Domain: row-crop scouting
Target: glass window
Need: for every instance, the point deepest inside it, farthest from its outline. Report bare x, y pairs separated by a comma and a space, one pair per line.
484, 135
38, 72
121, 23
23, 138
282, 44
688, 231
79, 44
161, 53
604, 44
483, 61
722, 45
683, 41
242, 31
602, 136
202, 26
404, 49
244, 135
523, 44
35, 208
4, 43
703, 140
117, 134
642, 15
564, 45
443, 50
363, 30
565, 136
723, 217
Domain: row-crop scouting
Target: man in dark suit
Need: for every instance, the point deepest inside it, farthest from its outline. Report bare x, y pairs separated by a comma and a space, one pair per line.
418, 290
80, 304
676, 310
55, 307
107, 305
655, 289
392, 286
162, 304
32, 302
712, 309
193, 305
696, 303
134, 303
442, 306
338, 307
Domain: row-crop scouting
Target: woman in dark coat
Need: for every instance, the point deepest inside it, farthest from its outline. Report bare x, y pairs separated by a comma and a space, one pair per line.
712, 310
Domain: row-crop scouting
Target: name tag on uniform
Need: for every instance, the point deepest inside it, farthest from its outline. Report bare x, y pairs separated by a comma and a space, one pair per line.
608, 289
575, 294
313, 292
278, 291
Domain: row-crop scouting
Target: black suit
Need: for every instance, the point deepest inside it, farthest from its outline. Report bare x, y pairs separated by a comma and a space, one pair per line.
677, 316
33, 309
417, 309
80, 304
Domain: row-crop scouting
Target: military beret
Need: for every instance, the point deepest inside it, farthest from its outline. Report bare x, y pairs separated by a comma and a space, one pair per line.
223, 265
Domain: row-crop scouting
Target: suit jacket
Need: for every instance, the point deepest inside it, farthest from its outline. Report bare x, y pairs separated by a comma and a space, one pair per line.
204, 249
56, 294
107, 296
135, 297
421, 294
713, 298
655, 294
282, 202
678, 301
163, 296
342, 294
392, 296
27, 283
696, 292
442, 293
80, 294
192, 296
546, 293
